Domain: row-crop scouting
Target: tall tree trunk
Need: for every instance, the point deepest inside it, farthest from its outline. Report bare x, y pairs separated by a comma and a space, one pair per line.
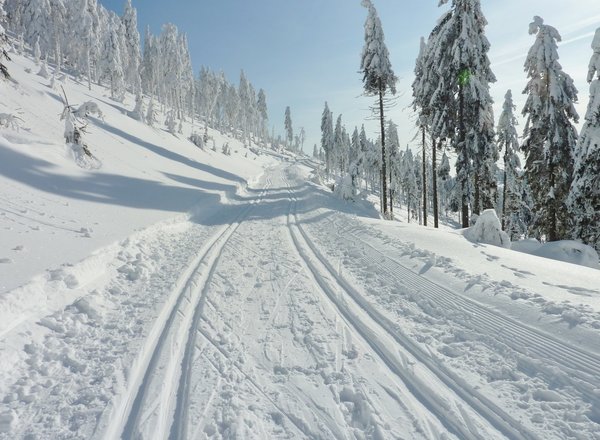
552, 210
424, 181
462, 142
436, 222
477, 201
504, 191
391, 191
383, 164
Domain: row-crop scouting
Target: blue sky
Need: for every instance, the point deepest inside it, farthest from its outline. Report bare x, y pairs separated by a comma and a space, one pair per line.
306, 52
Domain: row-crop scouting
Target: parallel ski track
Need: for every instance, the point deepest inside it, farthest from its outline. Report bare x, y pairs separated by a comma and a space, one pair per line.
187, 299
365, 327
582, 368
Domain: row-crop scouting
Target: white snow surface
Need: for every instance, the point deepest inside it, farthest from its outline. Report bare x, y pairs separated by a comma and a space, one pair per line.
487, 229
179, 293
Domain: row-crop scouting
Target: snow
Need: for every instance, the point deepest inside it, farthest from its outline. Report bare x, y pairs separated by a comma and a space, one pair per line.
487, 229
570, 252
177, 292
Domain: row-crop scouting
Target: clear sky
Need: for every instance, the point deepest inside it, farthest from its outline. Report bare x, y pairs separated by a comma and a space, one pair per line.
306, 52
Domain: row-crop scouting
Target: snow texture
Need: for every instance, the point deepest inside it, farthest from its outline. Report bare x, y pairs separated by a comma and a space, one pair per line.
487, 229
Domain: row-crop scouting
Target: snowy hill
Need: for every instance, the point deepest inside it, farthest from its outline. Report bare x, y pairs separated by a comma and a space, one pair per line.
182, 293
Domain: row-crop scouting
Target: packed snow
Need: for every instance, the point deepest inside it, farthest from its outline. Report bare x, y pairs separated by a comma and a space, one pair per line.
175, 292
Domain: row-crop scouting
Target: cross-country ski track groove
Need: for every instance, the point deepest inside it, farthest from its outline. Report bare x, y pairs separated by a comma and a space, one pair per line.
583, 366
331, 283
186, 300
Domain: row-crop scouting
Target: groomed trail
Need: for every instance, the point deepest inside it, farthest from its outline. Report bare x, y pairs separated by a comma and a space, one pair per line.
288, 314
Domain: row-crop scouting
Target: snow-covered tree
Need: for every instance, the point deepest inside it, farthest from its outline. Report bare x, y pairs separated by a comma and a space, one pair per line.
550, 135
111, 66
508, 141
37, 52
36, 22
261, 106
339, 146
289, 130
327, 137
378, 79
132, 45
392, 152
584, 199
3, 41
461, 106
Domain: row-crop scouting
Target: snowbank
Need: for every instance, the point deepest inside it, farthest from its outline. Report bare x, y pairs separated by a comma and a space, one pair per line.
567, 251
570, 252
488, 230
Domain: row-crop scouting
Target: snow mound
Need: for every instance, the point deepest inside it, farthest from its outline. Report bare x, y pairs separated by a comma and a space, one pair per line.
528, 246
488, 230
570, 252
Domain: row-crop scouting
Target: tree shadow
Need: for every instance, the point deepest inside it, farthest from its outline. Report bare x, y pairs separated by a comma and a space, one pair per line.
168, 154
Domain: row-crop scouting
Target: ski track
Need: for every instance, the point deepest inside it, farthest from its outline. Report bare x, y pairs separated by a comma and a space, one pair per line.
188, 300
262, 336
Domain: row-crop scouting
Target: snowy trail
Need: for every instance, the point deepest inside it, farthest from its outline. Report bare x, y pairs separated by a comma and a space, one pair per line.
168, 351
282, 316
371, 327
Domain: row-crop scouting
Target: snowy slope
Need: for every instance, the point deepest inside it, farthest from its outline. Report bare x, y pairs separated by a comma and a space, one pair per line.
184, 294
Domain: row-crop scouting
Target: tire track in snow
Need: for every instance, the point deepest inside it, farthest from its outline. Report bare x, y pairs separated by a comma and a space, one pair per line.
330, 282
186, 300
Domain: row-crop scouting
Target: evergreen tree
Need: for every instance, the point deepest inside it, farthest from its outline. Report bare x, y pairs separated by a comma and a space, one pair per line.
584, 199
3, 41
289, 131
392, 150
111, 66
36, 21
338, 145
509, 141
132, 44
550, 136
327, 141
378, 78
461, 106
261, 105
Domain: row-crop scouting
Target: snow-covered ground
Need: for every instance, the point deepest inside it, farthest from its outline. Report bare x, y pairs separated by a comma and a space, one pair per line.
185, 294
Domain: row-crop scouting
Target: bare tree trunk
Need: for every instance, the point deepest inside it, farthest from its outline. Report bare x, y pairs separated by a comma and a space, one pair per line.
436, 222
424, 181
504, 191
383, 164
465, 182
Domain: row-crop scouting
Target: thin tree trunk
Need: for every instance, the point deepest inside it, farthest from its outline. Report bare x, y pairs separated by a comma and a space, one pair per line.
424, 181
436, 222
465, 182
504, 191
383, 164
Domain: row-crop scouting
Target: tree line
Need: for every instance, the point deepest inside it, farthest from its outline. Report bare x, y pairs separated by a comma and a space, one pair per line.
85, 39
554, 195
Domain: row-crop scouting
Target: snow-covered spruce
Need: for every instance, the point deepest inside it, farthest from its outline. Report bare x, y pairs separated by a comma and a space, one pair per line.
327, 137
550, 135
584, 198
378, 79
508, 140
456, 92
